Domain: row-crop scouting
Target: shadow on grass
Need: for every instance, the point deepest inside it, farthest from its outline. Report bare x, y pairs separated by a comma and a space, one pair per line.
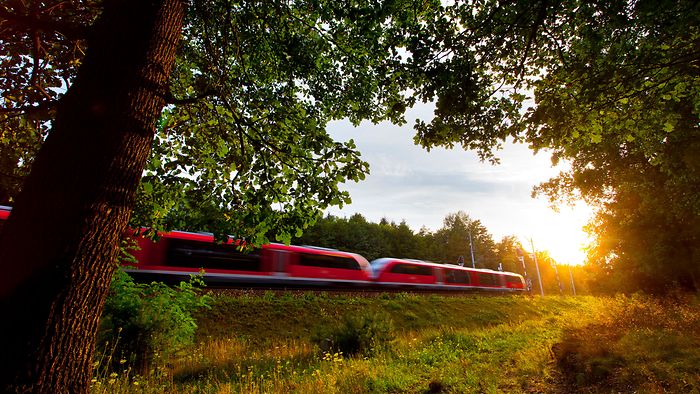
640, 345
585, 358
233, 370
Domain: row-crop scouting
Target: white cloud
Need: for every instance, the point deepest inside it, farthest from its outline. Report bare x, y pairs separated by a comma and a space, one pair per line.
409, 183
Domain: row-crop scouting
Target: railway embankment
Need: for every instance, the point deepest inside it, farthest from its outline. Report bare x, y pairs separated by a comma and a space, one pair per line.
278, 342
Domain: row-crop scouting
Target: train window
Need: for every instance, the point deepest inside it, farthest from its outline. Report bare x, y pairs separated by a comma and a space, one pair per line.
326, 261
457, 276
514, 280
186, 253
411, 269
488, 280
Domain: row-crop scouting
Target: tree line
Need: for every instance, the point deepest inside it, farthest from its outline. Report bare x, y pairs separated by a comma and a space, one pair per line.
450, 244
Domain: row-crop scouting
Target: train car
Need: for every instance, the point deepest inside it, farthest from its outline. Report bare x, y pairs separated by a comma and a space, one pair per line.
4, 213
490, 280
391, 272
179, 254
416, 274
324, 266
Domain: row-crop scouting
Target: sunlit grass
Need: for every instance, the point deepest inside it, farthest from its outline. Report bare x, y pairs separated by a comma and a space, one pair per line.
442, 344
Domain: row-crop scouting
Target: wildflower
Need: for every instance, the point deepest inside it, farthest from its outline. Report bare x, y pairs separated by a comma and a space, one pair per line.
113, 375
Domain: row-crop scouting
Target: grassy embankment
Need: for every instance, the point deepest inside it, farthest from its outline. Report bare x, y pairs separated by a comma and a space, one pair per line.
265, 343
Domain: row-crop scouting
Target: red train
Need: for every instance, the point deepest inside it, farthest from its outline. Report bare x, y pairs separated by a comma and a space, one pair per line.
390, 272
178, 254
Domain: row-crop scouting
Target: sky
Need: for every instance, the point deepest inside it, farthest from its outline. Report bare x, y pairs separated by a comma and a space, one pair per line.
409, 183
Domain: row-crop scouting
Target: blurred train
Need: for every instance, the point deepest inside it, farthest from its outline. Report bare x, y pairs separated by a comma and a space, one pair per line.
179, 254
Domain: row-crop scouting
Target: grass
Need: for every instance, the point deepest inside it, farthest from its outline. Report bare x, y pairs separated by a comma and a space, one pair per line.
263, 343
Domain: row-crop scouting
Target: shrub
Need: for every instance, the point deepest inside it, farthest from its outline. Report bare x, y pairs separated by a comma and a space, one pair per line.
144, 320
365, 335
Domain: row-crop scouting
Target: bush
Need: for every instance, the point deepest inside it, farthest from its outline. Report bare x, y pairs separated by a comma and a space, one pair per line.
141, 321
364, 335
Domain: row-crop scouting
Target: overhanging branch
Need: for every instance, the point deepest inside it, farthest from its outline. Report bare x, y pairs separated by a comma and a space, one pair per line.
29, 109
31, 23
170, 99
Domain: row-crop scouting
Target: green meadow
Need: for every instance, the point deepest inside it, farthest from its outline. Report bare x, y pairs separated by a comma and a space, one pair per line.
404, 343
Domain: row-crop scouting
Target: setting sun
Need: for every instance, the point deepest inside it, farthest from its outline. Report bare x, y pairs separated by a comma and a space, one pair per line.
561, 234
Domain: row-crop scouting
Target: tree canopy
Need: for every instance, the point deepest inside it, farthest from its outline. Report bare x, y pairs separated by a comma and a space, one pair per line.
620, 101
611, 87
388, 239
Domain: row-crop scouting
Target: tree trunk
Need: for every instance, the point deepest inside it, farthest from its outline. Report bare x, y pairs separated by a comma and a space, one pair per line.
58, 248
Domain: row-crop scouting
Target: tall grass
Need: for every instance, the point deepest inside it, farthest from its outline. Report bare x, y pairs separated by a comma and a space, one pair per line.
436, 344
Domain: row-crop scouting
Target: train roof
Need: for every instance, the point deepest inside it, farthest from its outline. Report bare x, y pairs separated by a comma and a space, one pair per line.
315, 250
380, 263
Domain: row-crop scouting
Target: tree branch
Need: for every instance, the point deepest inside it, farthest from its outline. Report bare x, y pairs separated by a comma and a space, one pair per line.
30, 109
170, 99
29, 23
541, 16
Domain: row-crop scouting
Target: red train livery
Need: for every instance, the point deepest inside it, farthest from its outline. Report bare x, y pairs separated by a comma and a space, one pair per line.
415, 273
179, 254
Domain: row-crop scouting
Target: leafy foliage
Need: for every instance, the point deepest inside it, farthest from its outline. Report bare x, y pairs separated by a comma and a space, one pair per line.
453, 241
276, 74
610, 87
622, 106
38, 64
242, 147
142, 320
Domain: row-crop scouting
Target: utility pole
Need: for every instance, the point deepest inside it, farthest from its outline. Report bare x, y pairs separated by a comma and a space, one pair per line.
520, 254
556, 272
573, 288
471, 249
537, 266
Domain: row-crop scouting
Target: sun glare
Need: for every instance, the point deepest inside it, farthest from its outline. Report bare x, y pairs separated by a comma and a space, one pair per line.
561, 234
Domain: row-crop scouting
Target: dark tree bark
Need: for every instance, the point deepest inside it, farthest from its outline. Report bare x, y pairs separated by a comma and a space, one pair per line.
58, 248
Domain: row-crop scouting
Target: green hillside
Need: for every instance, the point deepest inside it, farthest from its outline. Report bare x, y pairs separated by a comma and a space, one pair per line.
276, 342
